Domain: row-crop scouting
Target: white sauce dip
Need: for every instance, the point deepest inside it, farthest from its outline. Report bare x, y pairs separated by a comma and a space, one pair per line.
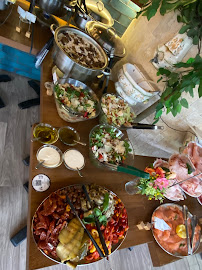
50, 155
74, 159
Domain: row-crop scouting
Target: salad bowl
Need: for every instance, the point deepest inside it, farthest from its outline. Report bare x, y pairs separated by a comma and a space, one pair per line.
109, 145
115, 111
64, 101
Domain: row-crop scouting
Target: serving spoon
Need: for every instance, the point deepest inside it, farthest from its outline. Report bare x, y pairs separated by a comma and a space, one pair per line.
39, 164
81, 143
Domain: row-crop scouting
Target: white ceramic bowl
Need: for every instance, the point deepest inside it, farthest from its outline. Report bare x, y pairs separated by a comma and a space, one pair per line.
122, 93
138, 80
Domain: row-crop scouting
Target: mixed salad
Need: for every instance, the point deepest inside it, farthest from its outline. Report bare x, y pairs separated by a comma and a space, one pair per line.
77, 99
117, 111
107, 146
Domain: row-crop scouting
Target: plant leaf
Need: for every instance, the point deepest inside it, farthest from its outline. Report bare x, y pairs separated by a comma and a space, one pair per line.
184, 29
184, 103
158, 114
179, 107
190, 60
155, 121
200, 89
163, 71
195, 40
151, 12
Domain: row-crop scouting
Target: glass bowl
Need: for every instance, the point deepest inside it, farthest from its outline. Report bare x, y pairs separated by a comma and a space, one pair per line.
130, 157
70, 168
46, 133
73, 131
66, 113
54, 147
103, 117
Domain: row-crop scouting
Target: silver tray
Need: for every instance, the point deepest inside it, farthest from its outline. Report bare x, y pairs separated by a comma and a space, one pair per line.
82, 262
189, 215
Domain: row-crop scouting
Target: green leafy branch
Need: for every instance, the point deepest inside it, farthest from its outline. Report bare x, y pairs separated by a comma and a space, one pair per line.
178, 82
190, 15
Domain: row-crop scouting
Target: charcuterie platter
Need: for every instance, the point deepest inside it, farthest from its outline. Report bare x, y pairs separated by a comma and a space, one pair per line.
59, 234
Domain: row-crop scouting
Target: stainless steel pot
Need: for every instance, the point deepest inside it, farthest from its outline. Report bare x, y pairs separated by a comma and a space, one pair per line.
108, 39
96, 12
55, 7
69, 66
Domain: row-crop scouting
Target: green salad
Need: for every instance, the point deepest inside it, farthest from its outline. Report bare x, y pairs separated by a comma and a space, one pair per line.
107, 146
76, 98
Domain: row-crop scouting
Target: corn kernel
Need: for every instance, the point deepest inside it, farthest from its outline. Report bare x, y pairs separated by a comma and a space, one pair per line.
68, 208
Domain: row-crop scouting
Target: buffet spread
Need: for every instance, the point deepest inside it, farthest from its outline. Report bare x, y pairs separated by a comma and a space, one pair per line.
84, 223
66, 227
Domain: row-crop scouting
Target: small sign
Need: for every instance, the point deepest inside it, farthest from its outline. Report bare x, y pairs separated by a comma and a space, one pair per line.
26, 15
41, 182
160, 224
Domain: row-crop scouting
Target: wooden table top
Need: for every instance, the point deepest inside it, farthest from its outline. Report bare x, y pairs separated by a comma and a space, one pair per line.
138, 207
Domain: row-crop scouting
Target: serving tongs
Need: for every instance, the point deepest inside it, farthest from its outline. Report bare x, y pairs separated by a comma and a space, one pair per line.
96, 222
127, 169
141, 126
180, 182
194, 222
85, 229
186, 214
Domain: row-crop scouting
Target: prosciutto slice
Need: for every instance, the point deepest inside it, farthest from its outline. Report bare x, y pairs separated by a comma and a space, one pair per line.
178, 164
194, 151
160, 163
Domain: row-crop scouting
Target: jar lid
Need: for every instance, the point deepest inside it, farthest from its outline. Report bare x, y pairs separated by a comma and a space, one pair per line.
107, 38
41, 182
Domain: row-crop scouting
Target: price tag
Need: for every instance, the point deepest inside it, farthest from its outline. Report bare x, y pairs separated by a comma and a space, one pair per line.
41, 182
160, 224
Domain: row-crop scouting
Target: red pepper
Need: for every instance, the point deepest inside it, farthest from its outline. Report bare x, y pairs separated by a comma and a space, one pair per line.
95, 255
86, 115
100, 156
89, 257
82, 94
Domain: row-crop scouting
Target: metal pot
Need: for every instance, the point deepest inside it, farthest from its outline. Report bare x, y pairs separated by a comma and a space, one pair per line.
108, 39
69, 66
55, 7
96, 12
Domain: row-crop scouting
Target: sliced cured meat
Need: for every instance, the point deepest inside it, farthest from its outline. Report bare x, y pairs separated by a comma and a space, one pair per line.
160, 163
194, 151
178, 164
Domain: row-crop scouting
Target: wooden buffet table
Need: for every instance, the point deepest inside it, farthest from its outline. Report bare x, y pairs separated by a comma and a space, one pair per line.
138, 207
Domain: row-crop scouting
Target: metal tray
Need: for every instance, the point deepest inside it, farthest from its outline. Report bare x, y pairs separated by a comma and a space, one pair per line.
190, 215
82, 262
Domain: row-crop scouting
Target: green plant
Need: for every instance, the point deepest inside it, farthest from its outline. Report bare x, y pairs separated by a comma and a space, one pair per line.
178, 82
185, 80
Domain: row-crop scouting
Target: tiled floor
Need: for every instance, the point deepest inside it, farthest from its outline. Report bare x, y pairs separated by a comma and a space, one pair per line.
14, 146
